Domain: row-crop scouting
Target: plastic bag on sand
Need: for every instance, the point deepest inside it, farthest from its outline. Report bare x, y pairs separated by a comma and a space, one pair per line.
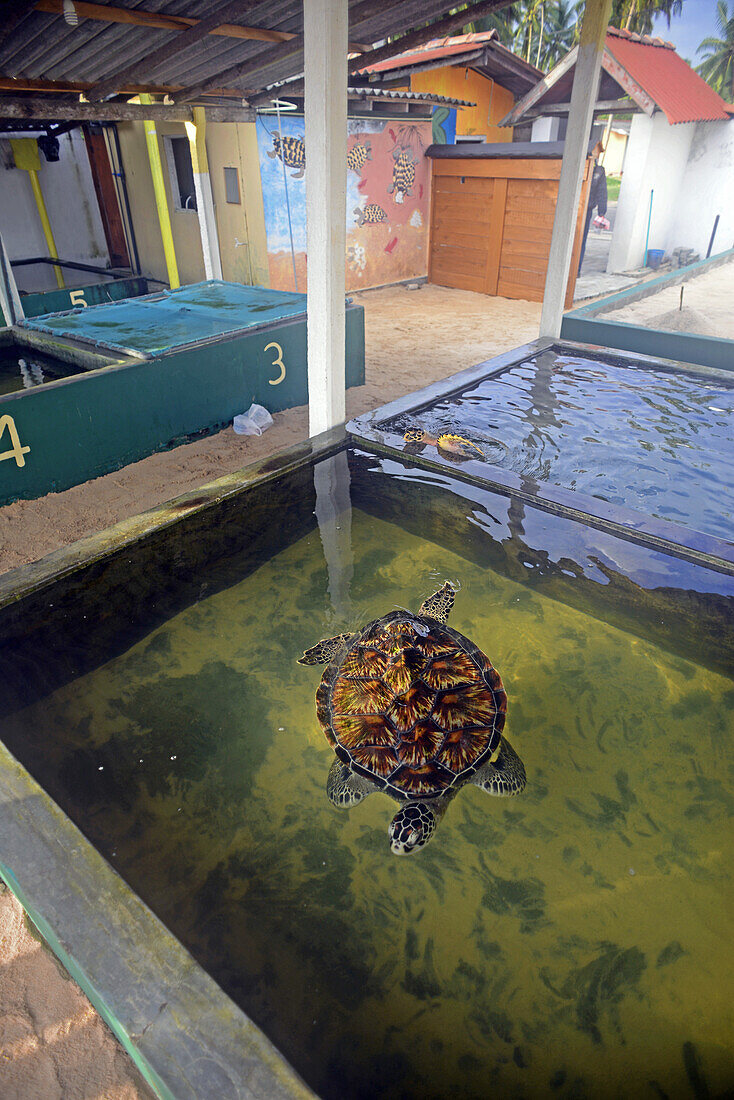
253, 422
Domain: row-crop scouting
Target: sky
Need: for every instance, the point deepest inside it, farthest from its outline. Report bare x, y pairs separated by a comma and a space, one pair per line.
687, 31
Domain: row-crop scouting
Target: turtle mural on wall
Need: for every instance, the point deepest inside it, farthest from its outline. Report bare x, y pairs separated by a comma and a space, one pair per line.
292, 152
403, 175
370, 215
358, 156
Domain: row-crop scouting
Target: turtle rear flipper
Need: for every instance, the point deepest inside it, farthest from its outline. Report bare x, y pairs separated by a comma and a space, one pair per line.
438, 606
506, 776
324, 651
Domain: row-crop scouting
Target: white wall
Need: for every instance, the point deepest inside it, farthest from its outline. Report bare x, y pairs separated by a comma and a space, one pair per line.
707, 189
68, 192
656, 159
545, 128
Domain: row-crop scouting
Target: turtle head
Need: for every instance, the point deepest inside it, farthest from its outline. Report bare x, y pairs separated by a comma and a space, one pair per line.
414, 435
411, 828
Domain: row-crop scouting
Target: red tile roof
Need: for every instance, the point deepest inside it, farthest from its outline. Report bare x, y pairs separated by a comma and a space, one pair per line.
677, 90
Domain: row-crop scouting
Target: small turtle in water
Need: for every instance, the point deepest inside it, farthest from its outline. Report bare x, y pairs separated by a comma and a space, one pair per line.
292, 153
403, 174
371, 215
455, 446
413, 708
358, 156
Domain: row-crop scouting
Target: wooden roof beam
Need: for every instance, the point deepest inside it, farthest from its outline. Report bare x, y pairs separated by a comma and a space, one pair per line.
158, 21
601, 107
62, 87
49, 110
157, 57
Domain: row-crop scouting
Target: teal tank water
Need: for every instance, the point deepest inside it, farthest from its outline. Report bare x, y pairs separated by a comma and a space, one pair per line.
652, 439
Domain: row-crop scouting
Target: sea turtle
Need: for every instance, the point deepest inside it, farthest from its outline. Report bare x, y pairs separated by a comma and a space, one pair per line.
358, 156
412, 708
403, 174
455, 446
292, 153
371, 215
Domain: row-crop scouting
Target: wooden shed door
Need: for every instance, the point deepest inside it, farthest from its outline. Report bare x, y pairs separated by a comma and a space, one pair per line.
460, 236
529, 213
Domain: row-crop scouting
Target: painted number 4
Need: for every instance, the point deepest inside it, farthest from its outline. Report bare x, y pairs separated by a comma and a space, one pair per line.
277, 362
16, 451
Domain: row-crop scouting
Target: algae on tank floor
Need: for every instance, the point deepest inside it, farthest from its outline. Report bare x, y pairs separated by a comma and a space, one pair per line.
572, 941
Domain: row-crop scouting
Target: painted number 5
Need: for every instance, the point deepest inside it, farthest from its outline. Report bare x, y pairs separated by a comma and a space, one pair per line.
277, 362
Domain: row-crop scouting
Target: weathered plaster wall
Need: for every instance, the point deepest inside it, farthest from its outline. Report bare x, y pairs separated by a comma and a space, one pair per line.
388, 200
68, 192
657, 154
707, 189
492, 101
241, 226
184, 223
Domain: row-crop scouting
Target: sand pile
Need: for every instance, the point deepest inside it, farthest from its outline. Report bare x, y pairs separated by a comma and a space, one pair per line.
682, 320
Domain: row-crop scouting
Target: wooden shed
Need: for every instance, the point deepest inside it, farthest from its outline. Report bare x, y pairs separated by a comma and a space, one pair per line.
492, 210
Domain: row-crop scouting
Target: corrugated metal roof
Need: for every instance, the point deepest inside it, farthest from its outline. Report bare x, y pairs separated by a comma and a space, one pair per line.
677, 90
412, 97
43, 46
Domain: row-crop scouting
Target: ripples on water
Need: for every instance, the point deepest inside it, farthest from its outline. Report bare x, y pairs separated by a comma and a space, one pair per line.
574, 941
658, 441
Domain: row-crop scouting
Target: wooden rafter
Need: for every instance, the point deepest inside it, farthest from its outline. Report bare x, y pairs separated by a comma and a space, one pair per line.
44, 109
62, 87
601, 107
140, 18
157, 57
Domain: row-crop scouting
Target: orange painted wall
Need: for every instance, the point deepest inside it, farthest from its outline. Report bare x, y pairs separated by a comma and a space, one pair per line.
492, 101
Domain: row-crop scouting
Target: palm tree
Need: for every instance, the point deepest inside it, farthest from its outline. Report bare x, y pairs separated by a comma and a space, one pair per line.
638, 15
717, 67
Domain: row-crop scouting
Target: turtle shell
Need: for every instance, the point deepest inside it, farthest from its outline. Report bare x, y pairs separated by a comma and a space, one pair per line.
413, 706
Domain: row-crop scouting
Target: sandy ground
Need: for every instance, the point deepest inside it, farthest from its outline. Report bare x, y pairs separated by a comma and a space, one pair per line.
707, 306
53, 1046
413, 337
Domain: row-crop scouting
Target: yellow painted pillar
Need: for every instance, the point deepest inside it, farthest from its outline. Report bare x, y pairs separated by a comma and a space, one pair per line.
159, 187
27, 157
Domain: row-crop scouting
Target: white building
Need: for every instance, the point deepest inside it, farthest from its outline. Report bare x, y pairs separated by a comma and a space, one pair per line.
679, 163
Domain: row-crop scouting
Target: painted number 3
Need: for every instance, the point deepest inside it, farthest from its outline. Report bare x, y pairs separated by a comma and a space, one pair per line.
277, 362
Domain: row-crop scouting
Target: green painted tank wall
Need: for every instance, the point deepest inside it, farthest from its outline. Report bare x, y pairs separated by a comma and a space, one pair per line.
54, 301
85, 426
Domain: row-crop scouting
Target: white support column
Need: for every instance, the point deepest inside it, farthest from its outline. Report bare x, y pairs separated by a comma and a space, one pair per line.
196, 132
11, 309
325, 69
580, 116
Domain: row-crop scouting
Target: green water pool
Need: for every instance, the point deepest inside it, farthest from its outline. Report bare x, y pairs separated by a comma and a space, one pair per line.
573, 941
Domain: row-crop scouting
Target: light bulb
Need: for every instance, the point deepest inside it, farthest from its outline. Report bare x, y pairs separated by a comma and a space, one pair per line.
70, 14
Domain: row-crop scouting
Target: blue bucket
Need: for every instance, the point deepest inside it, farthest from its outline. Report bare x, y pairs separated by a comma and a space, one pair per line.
655, 257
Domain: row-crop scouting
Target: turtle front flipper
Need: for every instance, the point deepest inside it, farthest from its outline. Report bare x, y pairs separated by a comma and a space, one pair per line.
438, 606
324, 651
344, 788
506, 776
